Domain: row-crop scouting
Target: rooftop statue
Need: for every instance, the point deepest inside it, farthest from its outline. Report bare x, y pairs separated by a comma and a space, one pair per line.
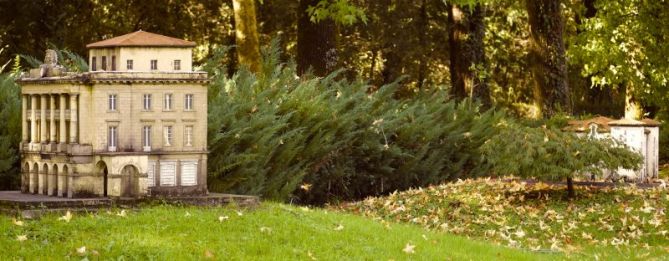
50, 67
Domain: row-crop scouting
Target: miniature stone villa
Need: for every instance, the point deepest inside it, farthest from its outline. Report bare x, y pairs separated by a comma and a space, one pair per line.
641, 136
134, 125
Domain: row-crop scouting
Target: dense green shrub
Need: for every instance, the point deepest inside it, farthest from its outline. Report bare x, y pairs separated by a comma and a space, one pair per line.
271, 134
10, 130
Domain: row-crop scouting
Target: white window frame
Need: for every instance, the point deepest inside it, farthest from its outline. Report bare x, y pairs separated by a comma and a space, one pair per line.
188, 135
112, 138
177, 65
168, 135
129, 64
146, 138
168, 102
112, 102
154, 65
147, 102
184, 178
151, 179
188, 102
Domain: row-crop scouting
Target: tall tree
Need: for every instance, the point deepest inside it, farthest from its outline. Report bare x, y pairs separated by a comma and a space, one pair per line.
548, 63
246, 34
316, 41
466, 32
622, 46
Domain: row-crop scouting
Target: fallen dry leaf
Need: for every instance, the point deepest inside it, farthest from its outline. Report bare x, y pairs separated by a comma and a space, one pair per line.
66, 217
409, 248
339, 227
17, 222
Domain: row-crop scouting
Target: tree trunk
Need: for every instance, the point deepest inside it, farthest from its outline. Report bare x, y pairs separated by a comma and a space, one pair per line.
571, 193
246, 34
392, 65
466, 30
633, 109
547, 58
316, 43
423, 26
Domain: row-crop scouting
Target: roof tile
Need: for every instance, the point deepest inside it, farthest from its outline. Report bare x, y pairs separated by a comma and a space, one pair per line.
141, 38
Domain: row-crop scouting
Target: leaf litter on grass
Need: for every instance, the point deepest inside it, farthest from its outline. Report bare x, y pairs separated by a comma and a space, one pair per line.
534, 216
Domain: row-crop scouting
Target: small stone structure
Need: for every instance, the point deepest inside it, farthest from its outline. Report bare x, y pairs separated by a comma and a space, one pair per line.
641, 136
134, 125
50, 68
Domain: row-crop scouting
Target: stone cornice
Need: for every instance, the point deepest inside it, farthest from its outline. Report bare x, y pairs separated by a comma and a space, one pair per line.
103, 77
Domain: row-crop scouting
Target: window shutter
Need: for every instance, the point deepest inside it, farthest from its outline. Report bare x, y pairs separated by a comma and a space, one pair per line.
168, 173
188, 173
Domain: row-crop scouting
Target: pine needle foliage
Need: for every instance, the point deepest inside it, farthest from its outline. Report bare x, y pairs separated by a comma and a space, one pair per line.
547, 153
10, 130
318, 139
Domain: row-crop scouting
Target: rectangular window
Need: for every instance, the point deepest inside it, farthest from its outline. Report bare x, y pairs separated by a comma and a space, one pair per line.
146, 138
154, 64
94, 64
177, 65
151, 179
189, 173
104, 63
168, 173
168, 101
129, 65
169, 135
112, 139
188, 102
112, 102
188, 136
147, 102
113, 63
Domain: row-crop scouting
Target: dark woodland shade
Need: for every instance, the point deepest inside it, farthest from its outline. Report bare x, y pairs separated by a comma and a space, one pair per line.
316, 43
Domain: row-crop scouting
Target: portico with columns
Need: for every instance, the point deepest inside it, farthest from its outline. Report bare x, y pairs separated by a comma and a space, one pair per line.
50, 129
45, 118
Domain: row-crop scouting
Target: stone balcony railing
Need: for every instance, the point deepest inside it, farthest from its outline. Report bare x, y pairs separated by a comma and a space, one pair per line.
69, 148
38, 114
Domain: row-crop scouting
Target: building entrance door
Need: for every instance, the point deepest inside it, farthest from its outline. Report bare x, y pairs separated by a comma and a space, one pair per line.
129, 181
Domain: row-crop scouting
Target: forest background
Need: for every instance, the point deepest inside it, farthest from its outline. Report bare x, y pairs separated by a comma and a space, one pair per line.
533, 59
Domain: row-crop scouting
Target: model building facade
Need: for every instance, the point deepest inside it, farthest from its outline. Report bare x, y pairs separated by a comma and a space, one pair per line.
134, 125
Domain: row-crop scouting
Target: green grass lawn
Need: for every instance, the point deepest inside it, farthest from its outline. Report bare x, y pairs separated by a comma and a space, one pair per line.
600, 223
270, 231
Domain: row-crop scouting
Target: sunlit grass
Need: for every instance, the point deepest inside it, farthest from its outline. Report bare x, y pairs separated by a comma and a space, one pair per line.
271, 231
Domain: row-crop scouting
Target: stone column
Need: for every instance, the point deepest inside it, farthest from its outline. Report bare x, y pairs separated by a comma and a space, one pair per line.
63, 131
33, 120
52, 119
62, 183
24, 118
33, 180
41, 181
74, 124
70, 182
42, 122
